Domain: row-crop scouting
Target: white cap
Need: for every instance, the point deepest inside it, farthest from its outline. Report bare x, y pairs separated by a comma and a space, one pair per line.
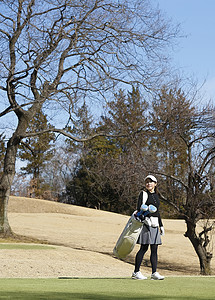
151, 177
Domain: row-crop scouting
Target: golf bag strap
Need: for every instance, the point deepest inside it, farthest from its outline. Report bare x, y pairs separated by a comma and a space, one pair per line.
145, 197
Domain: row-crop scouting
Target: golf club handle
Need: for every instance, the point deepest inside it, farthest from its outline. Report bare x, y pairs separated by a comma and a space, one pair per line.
147, 209
141, 212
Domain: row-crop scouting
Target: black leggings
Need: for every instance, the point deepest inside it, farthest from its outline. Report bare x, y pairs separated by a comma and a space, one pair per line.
153, 257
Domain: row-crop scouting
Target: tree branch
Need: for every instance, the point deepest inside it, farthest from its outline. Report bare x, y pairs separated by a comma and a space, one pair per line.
172, 177
67, 134
28, 147
170, 203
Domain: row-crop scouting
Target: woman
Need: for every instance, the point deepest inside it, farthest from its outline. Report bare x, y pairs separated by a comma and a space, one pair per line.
150, 234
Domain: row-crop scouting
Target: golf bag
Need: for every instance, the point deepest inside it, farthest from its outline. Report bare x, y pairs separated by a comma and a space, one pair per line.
131, 232
128, 238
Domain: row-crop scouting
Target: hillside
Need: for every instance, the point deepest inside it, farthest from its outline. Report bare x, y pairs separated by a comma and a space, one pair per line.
83, 241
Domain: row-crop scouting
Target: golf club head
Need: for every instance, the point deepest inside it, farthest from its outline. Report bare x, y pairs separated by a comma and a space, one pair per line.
143, 210
152, 208
144, 207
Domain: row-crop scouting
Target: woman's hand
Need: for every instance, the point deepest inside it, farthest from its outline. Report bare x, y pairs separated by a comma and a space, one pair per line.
162, 231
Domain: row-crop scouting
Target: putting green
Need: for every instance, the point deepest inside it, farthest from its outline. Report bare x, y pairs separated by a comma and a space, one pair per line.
191, 288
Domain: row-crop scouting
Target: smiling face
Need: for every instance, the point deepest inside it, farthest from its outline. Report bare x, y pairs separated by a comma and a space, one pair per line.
150, 185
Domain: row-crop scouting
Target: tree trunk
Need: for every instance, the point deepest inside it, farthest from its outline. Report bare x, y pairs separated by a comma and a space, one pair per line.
9, 173
5, 229
204, 256
6, 182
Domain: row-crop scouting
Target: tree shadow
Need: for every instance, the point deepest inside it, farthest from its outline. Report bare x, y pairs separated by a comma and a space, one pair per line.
82, 295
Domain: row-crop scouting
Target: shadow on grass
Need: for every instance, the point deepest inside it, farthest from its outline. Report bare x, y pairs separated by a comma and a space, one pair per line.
18, 238
165, 265
96, 296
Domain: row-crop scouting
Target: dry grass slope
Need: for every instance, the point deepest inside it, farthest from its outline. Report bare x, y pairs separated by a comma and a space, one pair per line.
84, 239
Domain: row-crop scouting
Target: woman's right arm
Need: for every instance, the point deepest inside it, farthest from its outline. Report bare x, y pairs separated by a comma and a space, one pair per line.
140, 201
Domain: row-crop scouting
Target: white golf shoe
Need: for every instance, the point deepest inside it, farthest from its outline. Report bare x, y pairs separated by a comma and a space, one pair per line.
138, 275
157, 276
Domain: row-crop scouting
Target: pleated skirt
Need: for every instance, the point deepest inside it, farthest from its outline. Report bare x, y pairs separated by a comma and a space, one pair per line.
149, 235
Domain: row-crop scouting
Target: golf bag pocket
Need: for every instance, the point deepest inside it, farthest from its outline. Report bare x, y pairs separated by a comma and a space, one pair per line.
154, 221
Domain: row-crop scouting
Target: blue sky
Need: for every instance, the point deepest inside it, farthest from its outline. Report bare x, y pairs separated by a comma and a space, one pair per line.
196, 52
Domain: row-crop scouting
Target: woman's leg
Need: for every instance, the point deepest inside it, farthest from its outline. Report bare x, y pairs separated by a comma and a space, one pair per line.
154, 257
139, 257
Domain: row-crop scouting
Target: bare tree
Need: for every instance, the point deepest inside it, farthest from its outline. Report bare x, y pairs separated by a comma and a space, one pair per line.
186, 145
56, 173
197, 203
54, 53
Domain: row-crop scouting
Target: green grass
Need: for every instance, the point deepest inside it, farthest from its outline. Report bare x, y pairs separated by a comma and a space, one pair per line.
25, 247
187, 288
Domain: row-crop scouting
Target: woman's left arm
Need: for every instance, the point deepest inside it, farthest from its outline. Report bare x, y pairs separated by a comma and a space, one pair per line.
162, 232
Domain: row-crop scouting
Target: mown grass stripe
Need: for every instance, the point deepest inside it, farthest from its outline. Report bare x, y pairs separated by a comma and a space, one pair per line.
199, 288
